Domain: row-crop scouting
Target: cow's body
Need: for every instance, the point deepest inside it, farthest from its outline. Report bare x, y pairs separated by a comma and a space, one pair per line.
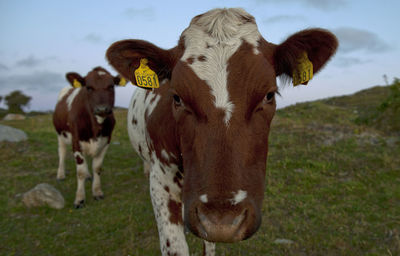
203, 135
87, 124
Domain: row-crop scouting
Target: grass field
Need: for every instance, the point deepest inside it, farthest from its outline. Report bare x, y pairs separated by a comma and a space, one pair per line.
333, 188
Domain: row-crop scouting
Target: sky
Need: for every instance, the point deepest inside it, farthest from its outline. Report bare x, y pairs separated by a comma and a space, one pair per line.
42, 40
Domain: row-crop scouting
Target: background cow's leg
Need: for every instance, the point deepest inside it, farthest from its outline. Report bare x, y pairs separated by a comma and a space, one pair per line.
96, 166
167, 206
208, 248
62, 152
82, 173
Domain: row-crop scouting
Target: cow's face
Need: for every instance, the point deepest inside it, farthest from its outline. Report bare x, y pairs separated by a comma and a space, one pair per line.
98, 88
223, 136
222, 92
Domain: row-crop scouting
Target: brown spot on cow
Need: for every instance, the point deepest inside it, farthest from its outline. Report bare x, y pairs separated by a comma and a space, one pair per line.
202, 58
177, 182
190, 60
162, 169
134, 121
78, 159
166, 188
175, 210
179, 175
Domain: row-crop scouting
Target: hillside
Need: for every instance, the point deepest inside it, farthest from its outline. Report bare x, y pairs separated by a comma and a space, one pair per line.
332, 188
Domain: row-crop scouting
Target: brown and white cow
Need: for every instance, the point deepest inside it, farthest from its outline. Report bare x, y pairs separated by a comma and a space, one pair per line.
84, 117
203, 135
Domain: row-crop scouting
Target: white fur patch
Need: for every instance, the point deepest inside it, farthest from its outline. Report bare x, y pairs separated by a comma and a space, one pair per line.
164, 154
71, 97
217, 35
138, 132
203, 198
99, 119
238, 197
63, 92
101, 73
94, 146
66, 140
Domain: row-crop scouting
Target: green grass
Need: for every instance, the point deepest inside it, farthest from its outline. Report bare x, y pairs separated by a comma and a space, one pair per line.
332, 188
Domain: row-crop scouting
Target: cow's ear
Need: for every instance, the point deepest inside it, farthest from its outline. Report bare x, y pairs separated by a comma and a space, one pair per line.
318, 45
119, 80
125, 57
75, 79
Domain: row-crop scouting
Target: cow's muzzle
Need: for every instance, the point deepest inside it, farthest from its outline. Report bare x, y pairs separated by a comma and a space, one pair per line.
102, 110
223, 223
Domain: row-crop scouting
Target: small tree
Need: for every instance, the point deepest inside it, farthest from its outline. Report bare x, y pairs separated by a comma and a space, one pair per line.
16, 100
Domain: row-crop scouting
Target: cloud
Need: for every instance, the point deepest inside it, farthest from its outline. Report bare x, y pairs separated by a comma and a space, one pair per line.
353, 39
349, 61
147, 13
284, 18
32, 61
3, 67
324, 5
44, 81
93, 38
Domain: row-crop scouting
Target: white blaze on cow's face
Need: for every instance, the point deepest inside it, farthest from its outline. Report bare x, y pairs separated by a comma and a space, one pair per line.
210, 41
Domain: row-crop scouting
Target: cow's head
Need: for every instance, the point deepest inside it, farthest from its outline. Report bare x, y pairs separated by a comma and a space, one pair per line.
98, 88
222, 83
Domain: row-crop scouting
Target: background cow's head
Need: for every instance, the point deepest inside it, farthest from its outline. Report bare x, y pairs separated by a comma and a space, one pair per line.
221, 81
98, 88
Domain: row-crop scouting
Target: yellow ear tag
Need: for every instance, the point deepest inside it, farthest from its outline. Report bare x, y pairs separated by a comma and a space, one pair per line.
304, 70
145, 77
122, 82
76, 84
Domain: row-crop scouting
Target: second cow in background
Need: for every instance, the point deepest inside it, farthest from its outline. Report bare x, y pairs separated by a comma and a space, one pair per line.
84, 117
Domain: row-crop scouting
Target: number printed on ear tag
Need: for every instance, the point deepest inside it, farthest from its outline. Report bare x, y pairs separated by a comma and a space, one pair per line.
145, 77
304, 70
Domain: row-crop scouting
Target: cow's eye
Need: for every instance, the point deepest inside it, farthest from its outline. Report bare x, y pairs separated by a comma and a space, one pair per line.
110, 88
89, 88
177, 100
270, 97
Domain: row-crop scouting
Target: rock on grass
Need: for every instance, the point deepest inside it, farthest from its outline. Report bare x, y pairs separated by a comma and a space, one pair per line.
43, 195
11, 134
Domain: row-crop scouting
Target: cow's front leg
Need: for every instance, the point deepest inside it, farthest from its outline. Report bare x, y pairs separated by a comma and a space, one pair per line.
165, 192
96, 166
62, 152
82, 173
208, 248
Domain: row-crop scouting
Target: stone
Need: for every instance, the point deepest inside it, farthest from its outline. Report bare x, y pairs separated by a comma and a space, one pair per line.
43, 195
283, 241
11, 134
11, 117
299, 170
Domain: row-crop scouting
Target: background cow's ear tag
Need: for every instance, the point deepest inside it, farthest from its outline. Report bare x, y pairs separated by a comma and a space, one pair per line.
145, 77
122, 82
76, 84
304, 70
